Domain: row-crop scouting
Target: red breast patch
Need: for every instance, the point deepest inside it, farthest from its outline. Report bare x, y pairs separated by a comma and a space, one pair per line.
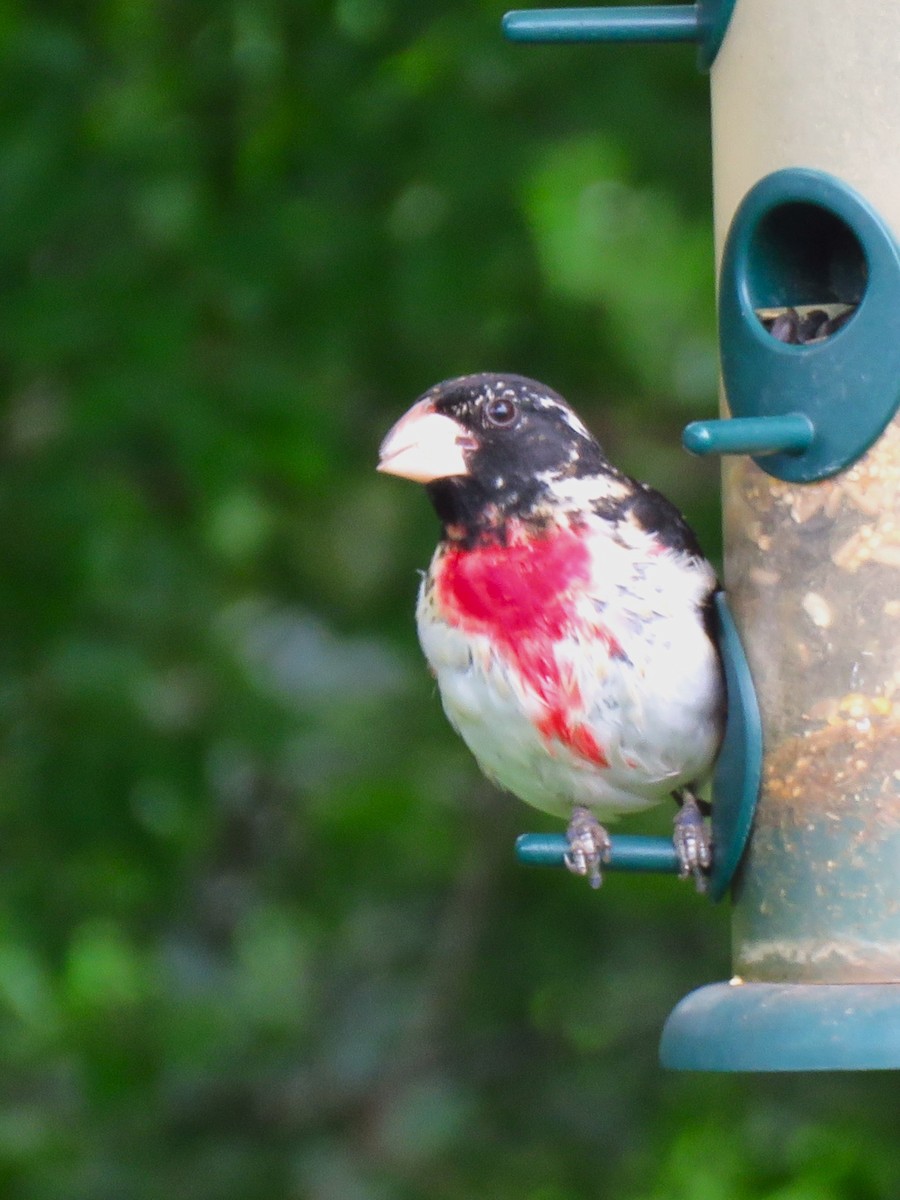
520, 595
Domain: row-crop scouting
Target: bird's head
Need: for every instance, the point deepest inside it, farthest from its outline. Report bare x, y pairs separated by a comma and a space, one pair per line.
490, 448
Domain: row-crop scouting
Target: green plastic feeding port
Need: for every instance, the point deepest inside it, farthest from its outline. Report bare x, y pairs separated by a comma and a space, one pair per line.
809, 319
735, 788
704, 23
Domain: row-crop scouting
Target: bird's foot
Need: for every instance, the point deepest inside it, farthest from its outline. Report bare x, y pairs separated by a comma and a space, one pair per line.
692, 840
589, 845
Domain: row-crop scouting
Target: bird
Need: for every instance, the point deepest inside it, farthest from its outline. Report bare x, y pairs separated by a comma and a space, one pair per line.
566, 615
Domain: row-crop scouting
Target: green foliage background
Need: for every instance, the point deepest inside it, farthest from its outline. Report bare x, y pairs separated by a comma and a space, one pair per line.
261, 930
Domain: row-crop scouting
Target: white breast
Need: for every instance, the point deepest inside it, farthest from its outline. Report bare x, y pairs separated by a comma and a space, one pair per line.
647, 689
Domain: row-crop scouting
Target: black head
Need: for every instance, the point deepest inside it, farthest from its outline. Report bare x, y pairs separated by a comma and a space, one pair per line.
488, 446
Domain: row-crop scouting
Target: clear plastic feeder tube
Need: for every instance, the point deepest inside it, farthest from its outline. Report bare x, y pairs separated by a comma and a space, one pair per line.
812, 569
813, 577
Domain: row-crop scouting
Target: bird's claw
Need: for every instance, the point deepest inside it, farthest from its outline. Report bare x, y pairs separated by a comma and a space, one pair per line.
693, 843
589, 846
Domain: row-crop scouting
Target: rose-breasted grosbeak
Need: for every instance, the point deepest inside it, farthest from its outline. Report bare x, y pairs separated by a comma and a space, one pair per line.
566, 613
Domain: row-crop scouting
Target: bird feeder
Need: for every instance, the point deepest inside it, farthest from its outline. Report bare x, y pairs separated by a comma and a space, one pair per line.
806, 191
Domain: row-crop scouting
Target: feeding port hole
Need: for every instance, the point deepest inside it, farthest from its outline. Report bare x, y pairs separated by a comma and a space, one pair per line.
807, 272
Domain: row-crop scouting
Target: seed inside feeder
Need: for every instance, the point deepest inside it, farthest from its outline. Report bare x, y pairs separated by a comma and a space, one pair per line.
803, 324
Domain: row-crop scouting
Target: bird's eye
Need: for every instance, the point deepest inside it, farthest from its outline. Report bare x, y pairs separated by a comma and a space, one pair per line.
501, 412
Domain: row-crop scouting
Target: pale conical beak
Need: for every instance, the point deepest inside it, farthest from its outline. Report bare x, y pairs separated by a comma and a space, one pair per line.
424, 445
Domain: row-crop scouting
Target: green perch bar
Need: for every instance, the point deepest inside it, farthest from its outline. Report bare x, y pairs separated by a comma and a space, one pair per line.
640, 23
704, 23
630, 852
791, 433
